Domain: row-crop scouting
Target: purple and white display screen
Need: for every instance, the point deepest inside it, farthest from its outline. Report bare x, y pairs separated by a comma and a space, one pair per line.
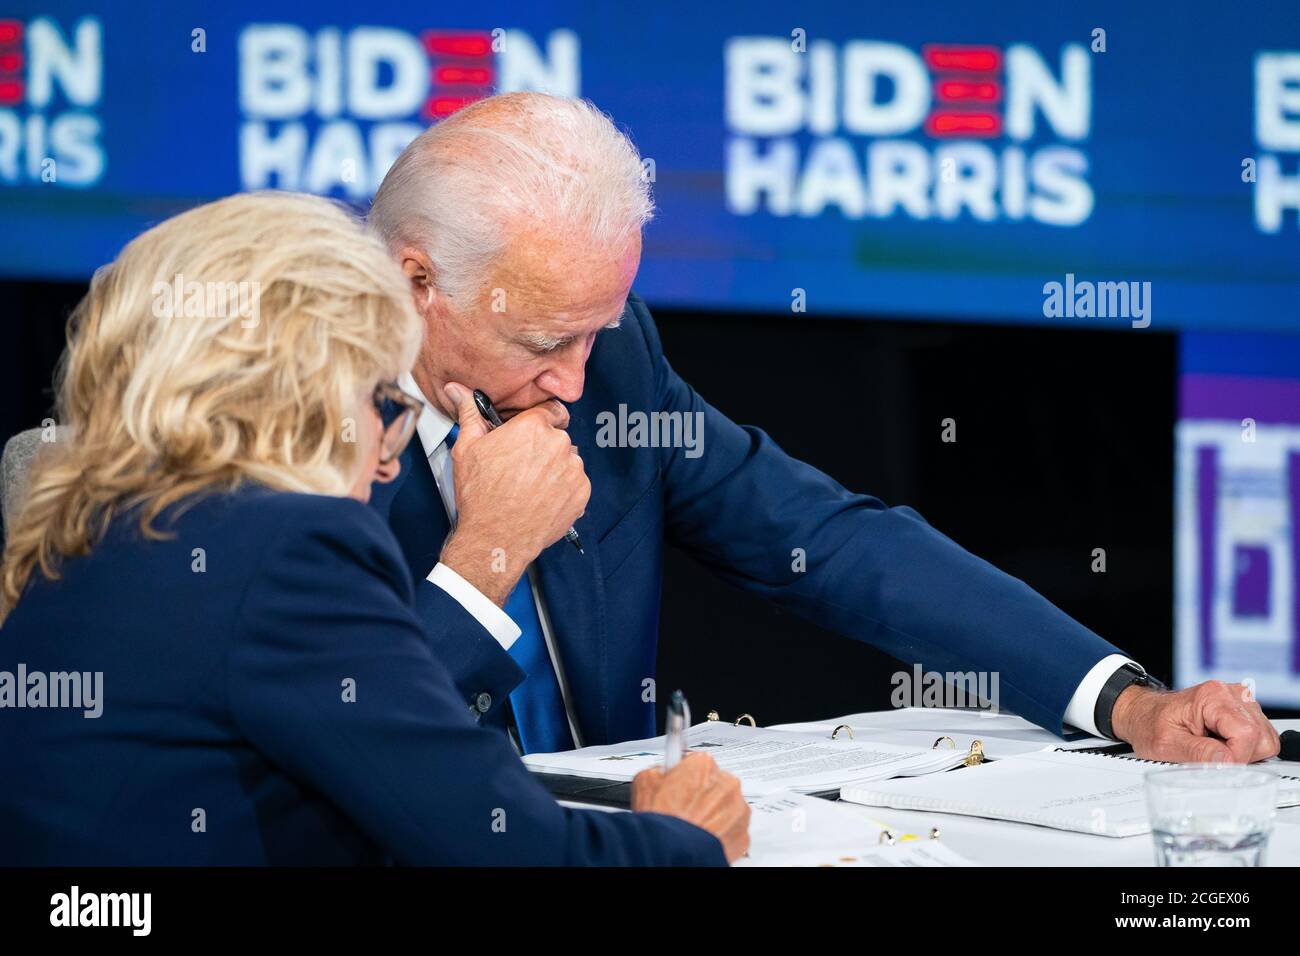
1237, 557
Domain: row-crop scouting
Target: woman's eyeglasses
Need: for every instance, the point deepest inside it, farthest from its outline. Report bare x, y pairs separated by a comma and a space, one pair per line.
399, 413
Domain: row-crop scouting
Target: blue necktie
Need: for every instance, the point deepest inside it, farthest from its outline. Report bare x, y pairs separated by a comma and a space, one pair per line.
537, 702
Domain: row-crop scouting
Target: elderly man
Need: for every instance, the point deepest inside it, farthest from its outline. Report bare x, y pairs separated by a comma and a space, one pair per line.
518, 222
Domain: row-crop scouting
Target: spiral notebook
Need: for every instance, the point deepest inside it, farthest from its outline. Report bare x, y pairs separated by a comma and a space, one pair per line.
1096, 793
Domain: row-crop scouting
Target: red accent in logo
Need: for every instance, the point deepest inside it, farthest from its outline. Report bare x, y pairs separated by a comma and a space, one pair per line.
456, 44
960, 91
964, 59
469, 74
942, 123
963, 94
466, 75
12, 88
440, 107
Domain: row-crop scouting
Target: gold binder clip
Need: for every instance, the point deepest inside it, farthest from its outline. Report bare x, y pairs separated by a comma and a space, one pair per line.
748, 717
952, 744
712, 715
976, 755
836, 731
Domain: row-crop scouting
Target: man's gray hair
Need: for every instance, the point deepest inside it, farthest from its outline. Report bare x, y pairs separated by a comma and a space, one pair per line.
504, 164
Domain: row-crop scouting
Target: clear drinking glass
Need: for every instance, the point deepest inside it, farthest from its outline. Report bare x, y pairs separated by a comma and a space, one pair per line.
1211, 814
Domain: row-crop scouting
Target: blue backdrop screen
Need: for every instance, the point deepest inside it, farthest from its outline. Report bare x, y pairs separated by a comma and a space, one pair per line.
1127, 166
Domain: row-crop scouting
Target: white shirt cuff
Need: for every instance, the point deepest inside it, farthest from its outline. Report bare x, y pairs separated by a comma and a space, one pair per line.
1084, 702
496, 621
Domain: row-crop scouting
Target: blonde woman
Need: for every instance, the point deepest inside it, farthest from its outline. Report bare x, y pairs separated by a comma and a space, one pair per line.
211, 633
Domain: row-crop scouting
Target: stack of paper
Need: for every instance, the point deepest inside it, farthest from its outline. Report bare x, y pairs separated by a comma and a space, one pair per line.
789, 829
766, 761
1087, 793
1001, 735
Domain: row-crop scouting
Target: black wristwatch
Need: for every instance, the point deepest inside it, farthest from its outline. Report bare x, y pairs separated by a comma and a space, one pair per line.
1125, 677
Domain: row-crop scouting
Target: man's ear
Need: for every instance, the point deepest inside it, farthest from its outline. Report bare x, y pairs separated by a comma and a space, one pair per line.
419, 271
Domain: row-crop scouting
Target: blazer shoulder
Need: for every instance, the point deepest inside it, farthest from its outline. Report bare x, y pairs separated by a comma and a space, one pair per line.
302, 508
325, 530
316, 552
639, 312
344, 524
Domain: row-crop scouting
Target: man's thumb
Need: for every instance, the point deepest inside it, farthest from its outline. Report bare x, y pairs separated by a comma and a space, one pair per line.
1209, 750
471, 422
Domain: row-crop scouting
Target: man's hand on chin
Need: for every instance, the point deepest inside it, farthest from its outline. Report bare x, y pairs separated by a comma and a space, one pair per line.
1211, 723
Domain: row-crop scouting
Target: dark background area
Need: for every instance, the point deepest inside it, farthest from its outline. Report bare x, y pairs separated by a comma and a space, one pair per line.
1064, 444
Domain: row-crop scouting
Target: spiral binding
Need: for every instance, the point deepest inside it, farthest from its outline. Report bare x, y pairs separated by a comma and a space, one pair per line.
1159, 763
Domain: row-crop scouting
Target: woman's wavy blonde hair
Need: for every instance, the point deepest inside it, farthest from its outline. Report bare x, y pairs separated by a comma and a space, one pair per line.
163, 404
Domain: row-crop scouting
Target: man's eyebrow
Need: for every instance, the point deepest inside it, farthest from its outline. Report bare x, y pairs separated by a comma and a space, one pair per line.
541, 342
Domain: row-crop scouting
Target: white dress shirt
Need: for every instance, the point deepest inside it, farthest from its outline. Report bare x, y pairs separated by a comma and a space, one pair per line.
433, 427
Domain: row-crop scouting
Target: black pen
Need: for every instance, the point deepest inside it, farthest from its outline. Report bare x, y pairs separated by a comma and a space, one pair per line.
489, 413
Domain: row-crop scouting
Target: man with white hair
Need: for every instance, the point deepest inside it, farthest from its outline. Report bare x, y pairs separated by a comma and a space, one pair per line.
518, 222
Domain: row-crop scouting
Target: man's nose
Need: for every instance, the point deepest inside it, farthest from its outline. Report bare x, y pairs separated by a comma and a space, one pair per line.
565, 379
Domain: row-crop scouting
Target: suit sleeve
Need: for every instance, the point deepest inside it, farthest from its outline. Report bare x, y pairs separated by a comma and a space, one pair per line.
331, 679
461, 643
878, 574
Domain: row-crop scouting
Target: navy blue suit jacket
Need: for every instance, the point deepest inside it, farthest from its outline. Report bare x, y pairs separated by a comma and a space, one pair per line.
225, 736
878, 574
